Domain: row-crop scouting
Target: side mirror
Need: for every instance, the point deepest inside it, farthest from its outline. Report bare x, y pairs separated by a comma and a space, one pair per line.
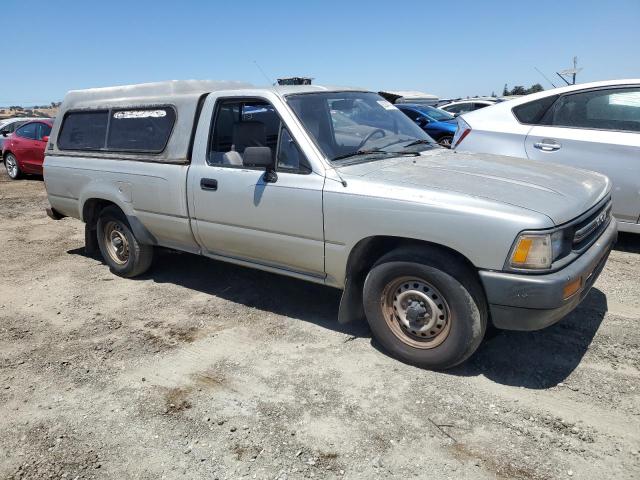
260, 157
5, 134
423, 121
45, 139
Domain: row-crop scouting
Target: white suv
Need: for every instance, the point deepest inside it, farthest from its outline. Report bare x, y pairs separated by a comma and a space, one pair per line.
595, 126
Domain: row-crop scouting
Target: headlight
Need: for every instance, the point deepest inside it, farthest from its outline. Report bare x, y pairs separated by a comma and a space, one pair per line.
538, 250
532, 251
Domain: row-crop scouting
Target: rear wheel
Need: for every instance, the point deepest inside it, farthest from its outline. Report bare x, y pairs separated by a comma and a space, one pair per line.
12, 167
429, 313
119, 247
445, 141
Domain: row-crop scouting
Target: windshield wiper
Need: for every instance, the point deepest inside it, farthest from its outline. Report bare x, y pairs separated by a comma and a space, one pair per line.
419, 142
358, 153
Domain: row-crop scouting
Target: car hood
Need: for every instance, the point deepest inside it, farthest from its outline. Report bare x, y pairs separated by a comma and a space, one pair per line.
559, 192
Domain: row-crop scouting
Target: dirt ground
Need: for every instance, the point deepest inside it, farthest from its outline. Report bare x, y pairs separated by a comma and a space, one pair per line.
205, 370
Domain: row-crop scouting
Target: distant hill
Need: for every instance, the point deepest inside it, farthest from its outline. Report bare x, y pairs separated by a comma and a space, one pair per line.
35, 111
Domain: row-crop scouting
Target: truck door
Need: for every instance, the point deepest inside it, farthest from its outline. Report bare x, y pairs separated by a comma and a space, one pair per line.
237, 213
596, 130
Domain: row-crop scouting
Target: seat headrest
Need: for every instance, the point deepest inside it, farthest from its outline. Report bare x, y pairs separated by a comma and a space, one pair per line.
249, 134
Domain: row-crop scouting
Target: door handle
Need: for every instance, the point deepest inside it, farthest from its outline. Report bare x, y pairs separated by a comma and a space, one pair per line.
547, 145
208, 184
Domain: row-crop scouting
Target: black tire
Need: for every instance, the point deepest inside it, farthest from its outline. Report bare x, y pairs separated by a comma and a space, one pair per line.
459, 300
137, 258
445, 141
12, 167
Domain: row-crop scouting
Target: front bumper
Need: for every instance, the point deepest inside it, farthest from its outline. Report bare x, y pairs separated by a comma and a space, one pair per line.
532, 302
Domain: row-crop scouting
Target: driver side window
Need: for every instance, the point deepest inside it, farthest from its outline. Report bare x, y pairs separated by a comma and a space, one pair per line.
240, 124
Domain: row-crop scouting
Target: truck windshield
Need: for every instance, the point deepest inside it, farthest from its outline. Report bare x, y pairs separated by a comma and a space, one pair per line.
357, 124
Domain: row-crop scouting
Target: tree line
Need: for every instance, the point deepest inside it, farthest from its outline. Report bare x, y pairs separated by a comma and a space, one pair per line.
520, 90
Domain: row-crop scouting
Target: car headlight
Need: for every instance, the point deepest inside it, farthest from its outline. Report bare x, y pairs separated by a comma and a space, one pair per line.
538, 251
533, 251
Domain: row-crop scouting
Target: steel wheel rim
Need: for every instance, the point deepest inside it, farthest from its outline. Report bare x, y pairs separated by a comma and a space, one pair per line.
116, 242
416, 312
11, 166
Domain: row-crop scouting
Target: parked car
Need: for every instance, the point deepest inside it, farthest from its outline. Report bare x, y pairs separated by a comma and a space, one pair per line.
8, 126
23, 151
427, 244
468, 105
439, 125
595, 126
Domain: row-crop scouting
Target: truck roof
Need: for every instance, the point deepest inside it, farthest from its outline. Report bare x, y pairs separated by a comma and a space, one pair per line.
183, 96
125, 94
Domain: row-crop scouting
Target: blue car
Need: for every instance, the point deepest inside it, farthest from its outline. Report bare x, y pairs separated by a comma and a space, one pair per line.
439, 125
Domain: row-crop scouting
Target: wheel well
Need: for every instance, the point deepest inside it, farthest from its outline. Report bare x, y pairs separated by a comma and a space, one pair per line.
443, 135
6, 152
367, 252
91, 210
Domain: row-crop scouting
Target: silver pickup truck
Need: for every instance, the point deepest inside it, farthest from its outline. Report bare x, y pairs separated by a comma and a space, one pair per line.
334, 186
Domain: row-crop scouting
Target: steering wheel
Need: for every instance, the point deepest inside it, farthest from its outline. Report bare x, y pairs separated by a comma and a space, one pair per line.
368, 137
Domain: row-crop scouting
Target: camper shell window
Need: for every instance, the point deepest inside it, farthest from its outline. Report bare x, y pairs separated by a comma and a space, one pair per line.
83, 130
139, 130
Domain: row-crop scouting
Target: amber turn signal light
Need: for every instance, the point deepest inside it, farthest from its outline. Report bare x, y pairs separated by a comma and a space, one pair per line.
571, 288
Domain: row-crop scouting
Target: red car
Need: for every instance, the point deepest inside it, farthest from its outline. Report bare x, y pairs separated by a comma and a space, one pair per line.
23, 151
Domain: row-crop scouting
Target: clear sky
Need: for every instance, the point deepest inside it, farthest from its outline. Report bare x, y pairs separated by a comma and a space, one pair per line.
448, 47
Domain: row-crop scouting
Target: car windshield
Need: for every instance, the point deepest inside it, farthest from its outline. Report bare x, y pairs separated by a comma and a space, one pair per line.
357, 124
435, 113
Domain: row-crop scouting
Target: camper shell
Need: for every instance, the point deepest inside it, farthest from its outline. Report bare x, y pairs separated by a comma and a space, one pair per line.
185, 97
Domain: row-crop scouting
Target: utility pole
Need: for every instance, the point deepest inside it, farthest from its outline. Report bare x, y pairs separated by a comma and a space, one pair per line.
570, 72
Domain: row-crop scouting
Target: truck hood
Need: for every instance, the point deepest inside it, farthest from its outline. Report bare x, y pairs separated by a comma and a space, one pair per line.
559, 192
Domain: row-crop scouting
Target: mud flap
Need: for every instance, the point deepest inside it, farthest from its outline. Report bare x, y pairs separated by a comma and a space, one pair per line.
91, 241
351, 307
141, 233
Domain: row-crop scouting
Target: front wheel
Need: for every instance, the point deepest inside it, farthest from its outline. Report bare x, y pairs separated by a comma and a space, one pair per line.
119, 247
12, 167
422, 314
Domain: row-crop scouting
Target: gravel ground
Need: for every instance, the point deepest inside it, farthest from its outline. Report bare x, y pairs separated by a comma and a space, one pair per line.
205, 370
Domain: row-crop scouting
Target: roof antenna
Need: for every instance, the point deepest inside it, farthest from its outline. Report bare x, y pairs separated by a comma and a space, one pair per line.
264, 74
545, 77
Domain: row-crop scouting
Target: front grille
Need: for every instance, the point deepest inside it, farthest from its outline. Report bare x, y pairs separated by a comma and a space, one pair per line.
588, 230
